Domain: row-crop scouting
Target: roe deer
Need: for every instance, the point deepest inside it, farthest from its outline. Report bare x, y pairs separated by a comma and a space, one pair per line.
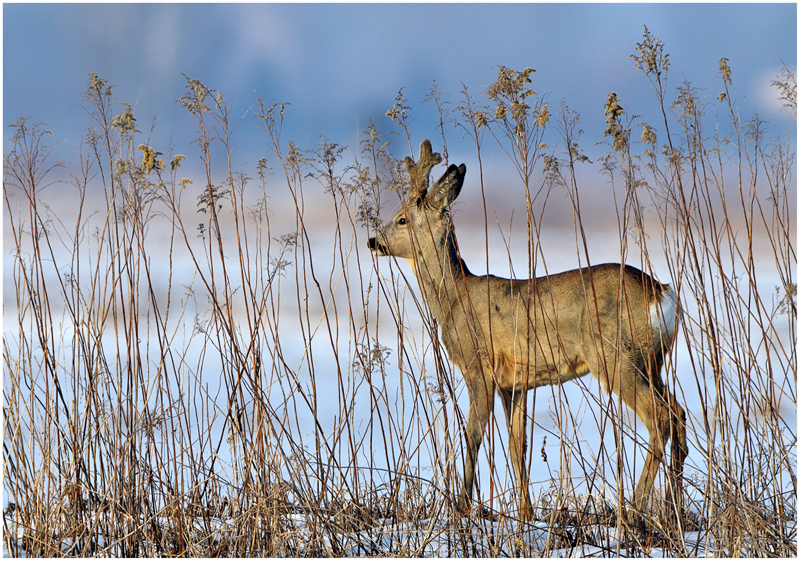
509, 335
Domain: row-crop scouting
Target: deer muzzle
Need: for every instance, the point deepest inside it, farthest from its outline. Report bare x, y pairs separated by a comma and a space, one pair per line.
377, 247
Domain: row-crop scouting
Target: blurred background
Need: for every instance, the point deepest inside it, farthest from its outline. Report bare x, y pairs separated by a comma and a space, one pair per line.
338, 65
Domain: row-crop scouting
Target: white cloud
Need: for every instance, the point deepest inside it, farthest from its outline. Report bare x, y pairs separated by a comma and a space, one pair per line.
767, 96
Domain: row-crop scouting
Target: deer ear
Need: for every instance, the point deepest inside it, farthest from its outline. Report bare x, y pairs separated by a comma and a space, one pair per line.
449, 185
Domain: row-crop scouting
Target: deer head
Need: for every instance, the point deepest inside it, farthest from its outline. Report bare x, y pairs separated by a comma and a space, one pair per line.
423, 223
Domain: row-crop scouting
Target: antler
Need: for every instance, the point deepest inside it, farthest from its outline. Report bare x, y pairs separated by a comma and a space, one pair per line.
419, 173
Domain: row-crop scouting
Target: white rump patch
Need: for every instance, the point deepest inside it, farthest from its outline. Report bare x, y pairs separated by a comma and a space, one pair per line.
664, 315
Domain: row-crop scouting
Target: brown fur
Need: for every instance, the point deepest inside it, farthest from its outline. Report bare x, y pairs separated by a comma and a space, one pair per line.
508, 336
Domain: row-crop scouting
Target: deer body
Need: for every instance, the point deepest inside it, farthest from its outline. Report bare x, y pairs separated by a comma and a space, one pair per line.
511, 335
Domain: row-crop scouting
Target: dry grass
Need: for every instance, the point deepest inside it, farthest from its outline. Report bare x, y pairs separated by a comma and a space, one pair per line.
175, 387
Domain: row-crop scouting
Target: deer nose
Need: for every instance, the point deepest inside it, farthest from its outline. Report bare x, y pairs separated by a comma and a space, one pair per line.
377, 247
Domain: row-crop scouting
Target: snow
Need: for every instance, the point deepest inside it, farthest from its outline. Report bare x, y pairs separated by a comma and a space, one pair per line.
455, 537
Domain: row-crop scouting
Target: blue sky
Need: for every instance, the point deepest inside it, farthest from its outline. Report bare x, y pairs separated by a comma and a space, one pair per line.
339, 64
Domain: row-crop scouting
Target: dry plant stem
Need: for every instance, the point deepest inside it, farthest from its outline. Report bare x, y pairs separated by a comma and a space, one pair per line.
188, 373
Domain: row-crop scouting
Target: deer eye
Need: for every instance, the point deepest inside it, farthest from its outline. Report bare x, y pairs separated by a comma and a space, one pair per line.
402, 221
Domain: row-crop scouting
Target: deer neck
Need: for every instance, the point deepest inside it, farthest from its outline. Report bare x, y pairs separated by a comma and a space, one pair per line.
441, 274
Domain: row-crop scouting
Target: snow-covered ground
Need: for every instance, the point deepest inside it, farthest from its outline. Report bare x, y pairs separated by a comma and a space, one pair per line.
464, 537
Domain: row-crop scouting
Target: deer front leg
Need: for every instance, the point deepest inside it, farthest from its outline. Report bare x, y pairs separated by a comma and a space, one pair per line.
515, 404
481, 401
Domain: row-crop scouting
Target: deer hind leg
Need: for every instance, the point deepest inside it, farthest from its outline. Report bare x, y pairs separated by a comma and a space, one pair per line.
644, 392
669, 425
649, 405
680, 450
515, 404
666, 423
481, 403
644, 395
